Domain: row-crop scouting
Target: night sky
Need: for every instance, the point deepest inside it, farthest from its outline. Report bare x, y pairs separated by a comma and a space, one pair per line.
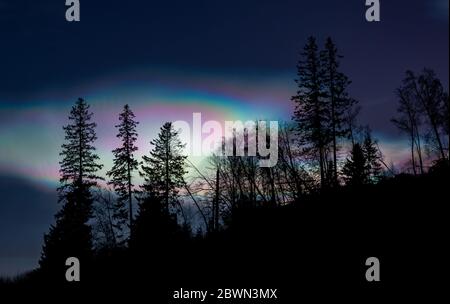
226, 59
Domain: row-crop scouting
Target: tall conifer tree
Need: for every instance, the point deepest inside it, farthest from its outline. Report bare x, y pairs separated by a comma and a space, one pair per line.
121, 174
339, 102
355, 168
164, 168
71, 235
373, 158
312, 112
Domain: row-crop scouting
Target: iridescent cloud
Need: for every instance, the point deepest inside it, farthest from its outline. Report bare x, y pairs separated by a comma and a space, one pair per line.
31, 131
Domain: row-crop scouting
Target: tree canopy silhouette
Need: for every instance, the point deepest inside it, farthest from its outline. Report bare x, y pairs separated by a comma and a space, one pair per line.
423, 115
355, 168
339, 102
311, 112
121, 174
163, 171
71, 235
164, 168
322, 107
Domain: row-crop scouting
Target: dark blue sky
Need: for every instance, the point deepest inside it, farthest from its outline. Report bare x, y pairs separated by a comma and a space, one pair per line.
39, 48
40, 51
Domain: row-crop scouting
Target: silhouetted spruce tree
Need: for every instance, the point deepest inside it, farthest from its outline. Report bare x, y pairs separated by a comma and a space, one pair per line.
163, 172
164, 168
122, 171
355, 167
312, 111
372, 157
339, 102
71, 235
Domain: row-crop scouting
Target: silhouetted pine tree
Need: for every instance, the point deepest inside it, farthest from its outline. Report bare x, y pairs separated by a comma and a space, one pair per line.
71, 236
164, 168
312, 111
163, 172
355, 167
373, 158
121, 173
339, 103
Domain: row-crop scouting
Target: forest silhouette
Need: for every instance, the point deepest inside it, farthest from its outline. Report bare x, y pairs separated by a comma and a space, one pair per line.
329, 203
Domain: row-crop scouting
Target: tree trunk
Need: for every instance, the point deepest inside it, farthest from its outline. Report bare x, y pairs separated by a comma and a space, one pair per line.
130, 202
412, 154
166, 194
216, 202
